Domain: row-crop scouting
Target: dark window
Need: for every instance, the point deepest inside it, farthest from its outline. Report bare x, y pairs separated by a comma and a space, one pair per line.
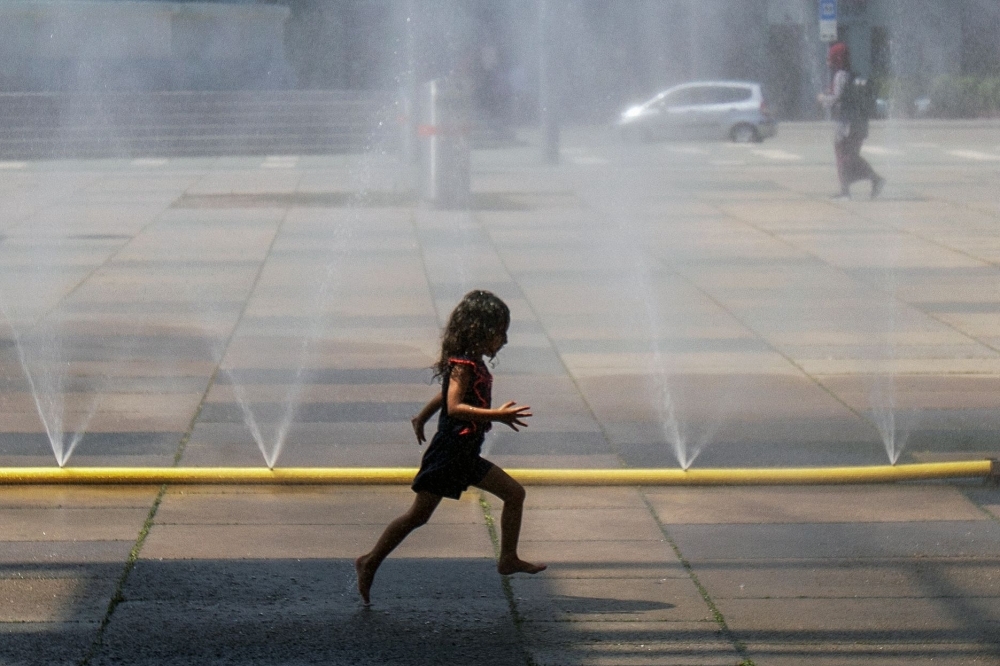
683, 97
726, 95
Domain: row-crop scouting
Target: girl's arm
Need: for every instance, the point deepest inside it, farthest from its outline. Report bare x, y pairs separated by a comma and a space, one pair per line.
425, 414
509, 413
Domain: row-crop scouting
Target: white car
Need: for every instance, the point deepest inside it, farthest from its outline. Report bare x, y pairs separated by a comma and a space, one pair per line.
733, 110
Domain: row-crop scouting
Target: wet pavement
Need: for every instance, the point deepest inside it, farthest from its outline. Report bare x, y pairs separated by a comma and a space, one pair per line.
235, 310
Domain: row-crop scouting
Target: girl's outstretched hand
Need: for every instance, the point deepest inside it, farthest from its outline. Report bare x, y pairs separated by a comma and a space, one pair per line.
511, 415
418, 429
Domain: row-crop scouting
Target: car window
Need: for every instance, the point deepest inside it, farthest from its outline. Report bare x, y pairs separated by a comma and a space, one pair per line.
682, 97
726, 95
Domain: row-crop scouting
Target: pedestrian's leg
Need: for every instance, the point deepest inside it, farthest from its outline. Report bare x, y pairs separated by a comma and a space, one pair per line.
840, 151
856, 167
864, 171
418, 514
499, 483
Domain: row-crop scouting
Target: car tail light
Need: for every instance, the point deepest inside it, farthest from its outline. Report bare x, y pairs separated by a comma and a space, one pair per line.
763, 108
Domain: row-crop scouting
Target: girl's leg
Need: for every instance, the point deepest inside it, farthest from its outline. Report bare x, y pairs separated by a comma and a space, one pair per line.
499, 483
418, 514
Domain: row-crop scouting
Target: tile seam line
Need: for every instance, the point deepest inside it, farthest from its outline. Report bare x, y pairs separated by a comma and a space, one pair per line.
147, 526
799, 367
117, 597
938, 316
720, 620
496, 247
508, 590
484, 506
65, 297
987, 514
186, 437
777, 236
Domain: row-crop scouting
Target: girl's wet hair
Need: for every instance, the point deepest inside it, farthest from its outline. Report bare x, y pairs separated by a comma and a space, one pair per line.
476, 320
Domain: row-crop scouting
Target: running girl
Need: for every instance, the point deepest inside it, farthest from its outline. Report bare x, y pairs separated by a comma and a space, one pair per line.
476, 328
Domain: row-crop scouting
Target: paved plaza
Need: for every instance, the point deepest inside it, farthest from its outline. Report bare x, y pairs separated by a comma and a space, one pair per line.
674, 304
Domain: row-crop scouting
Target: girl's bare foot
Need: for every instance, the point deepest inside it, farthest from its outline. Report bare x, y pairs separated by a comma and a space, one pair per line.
365, 578
517, 565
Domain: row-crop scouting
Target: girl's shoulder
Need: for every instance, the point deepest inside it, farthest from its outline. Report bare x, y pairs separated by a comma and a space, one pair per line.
464, 360
474, 365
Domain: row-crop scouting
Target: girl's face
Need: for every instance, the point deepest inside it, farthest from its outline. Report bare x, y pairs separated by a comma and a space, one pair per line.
496, 343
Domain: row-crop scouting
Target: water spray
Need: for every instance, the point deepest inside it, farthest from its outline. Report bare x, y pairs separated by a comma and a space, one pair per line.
988, 470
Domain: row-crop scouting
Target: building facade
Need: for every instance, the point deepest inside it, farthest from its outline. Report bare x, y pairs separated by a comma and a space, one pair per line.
603, 54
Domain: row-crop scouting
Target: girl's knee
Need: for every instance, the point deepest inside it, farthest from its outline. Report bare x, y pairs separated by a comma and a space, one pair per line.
515, 495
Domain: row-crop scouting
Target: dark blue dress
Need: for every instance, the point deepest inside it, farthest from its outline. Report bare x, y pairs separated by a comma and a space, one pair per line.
452, 462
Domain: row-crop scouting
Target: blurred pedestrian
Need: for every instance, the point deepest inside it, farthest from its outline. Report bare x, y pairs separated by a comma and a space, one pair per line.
476, 328
848, 101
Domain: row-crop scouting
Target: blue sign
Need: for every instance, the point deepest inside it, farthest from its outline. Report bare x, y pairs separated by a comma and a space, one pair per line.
828, 20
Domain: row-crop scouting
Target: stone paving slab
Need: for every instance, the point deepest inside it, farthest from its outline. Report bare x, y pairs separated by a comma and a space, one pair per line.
306, 506
164, 634
979, 538
39, 557
606, 559
56, 643
890, 653
841, 504
271, 541
634, 643
565, 524
609, 600
104, 524
892, 579
54, 599
867, 620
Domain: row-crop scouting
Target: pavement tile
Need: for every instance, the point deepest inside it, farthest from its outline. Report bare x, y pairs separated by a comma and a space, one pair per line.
856, 504
652, 654
161, 633
582, 497
78, 497
593, 461
71, 523
50, 643
22, 555
900, 578
632, 643
605, 559
609, 599
987, 498
841, 620
548, 442
55, 599
276, 505
888, 652
592, 524
295, 581
703, 543
310, 541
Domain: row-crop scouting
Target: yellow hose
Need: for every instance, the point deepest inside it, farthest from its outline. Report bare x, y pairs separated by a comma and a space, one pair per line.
552, 477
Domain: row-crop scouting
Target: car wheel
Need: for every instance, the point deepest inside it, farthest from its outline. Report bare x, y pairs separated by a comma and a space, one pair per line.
744, 133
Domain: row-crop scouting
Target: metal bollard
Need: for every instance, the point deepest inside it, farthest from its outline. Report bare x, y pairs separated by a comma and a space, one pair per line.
443, 134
